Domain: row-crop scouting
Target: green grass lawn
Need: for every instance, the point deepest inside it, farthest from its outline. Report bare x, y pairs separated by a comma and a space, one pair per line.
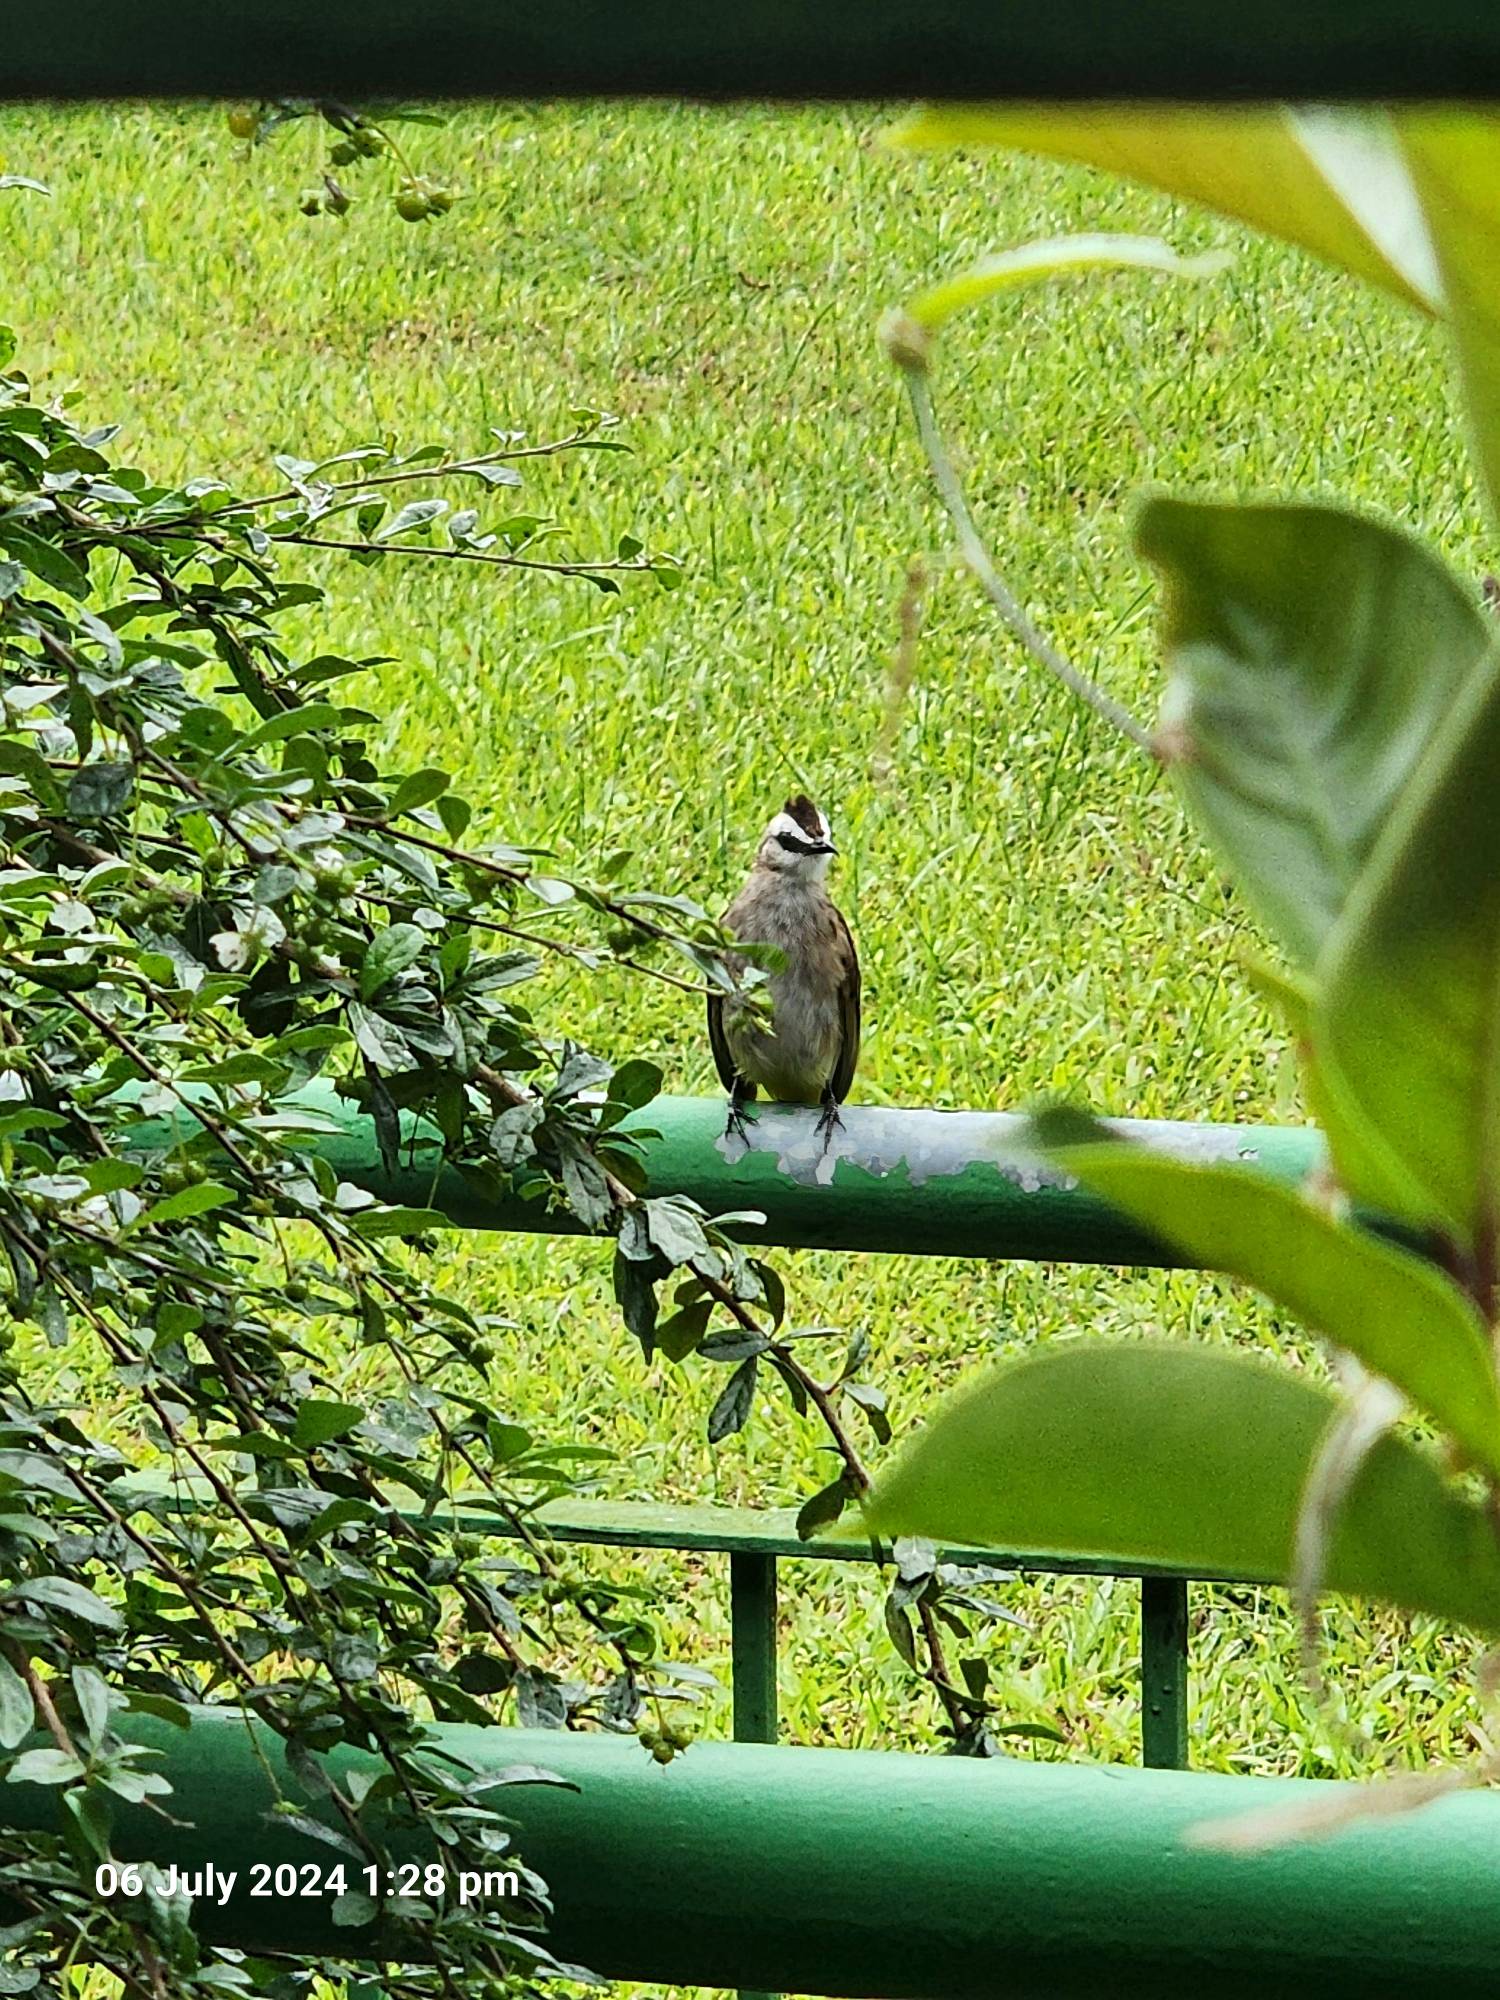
1034, 913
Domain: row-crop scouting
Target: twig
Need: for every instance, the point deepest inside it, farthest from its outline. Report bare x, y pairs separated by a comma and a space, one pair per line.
41, 1694
405, 473
913, 364
954, 1706
636, 565
502, 1089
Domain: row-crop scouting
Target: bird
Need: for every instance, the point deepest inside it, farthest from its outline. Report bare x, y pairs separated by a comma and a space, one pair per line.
808, 1053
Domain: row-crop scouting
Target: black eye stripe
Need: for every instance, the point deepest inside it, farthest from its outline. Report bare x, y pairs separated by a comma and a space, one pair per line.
795, 846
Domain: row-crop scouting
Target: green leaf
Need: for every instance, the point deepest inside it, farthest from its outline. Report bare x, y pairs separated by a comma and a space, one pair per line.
46, 560
92, 1692
44, 1767
1454, 158
413, 517
1405, 1029
381, 1041
1333, 182
374, 1222
390, 952
419, 789
141, 1702
1030, 263
635, 1295
321, 1422
1182, 1455
1398, 1314
195, 1200
823, 1507
731, 1412
61, 1593
293, 722
1312, 656
675, 1228
678, 1335
99, 791
634, 1084
17, 1711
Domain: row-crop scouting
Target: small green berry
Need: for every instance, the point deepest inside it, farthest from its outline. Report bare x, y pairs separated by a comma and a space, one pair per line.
243, 122
413, 204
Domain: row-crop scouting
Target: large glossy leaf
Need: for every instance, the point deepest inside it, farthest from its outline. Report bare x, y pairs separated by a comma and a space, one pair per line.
1190, 1456
1029, 263
1455, 161
1399, 1315
1312, 656
1333, 182
1405, 1029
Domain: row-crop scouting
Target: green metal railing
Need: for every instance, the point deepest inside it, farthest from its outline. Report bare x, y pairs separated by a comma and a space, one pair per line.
860, 1872
1073, 1878
938, 1183
757, 1541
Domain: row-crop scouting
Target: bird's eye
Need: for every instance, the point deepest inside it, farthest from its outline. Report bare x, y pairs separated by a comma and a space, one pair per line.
789, 842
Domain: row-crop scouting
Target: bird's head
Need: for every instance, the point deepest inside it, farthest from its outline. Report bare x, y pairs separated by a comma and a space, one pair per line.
798, 842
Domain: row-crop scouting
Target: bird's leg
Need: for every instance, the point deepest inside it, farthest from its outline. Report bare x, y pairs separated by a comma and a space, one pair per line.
829, 1120
740, 1094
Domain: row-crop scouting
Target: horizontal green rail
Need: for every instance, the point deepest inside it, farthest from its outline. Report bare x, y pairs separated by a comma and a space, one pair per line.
1318, 49
860, 1872
930, 1183
757, 1540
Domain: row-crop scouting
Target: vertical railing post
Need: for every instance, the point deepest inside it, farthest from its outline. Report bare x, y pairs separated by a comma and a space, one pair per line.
752, 1630
1164, 1672
752, 1624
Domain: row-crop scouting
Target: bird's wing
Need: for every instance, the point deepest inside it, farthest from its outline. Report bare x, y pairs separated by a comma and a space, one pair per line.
849, 1021
718, 1041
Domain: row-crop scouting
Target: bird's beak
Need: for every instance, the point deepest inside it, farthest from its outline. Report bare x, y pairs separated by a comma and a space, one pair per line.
825, 847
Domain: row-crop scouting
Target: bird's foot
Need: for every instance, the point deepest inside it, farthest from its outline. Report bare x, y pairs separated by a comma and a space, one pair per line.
829, 1121
735, 1125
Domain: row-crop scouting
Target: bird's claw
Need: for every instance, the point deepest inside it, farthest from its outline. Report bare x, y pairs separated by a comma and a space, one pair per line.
736, 1125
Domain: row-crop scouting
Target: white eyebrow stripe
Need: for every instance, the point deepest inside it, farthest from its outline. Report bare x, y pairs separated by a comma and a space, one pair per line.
784, 823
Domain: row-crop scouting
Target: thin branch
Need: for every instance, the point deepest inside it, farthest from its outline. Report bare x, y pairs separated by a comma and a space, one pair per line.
977, 558
954, 1706
502, 1090
403, 474
41, 1694
636, 565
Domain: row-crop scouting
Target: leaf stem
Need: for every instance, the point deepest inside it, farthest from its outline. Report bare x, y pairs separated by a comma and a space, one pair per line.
977, 558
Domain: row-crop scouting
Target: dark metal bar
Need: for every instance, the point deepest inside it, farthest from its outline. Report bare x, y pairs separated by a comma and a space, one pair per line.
1158, 49
752, 1617
752, 1620
1164, 1673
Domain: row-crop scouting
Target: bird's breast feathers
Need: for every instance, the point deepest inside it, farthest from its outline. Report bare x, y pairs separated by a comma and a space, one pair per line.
797, 1058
